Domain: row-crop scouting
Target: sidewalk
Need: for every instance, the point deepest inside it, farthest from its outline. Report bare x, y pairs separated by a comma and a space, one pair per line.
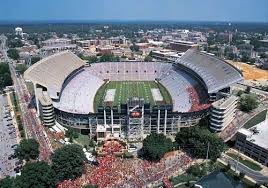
14, 120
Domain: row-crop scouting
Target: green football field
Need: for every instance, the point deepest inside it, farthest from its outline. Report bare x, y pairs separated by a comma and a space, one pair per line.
127, 89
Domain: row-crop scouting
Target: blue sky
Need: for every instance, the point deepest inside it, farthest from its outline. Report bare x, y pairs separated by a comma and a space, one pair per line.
174, 10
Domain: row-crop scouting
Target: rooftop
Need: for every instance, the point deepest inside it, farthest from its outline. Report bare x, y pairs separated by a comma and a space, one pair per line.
224, 102
260, 136
183, 42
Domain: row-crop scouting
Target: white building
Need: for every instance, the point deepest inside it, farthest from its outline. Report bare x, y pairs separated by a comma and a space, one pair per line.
18, 31
223, 113
253, 142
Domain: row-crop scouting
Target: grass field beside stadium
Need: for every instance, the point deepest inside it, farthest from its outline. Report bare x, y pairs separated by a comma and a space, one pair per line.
127, 89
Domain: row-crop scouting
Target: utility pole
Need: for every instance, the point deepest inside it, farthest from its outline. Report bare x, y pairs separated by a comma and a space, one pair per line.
207, 158
237, 159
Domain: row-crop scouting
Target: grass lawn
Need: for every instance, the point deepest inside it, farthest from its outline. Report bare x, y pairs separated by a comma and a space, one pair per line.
258, 118
83, 139
250, 164
127, 89
12, 98
17, 111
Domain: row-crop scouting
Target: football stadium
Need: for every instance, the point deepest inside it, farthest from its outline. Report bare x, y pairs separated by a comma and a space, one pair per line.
129, 99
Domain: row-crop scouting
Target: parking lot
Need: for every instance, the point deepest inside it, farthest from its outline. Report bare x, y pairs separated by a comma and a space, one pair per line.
8, 161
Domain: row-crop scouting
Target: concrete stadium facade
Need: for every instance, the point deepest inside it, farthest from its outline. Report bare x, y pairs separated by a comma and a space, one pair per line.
65, 88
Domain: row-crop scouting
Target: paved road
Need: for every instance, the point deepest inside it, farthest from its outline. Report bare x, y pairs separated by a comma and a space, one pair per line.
257, 176
7, 140
31, 123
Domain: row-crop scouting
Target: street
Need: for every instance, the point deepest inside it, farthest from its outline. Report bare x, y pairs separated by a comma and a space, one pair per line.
257, 176
31, 122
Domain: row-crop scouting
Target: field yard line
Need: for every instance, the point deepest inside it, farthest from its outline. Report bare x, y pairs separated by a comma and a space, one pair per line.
137, 85
150, 92
146, 92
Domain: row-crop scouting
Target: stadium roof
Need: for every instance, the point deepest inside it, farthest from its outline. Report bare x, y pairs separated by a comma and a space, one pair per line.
52, 71
216, 73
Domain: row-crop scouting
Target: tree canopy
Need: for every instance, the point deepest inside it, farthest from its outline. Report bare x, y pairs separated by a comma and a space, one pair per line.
89, 59
90, 186
197, 170
155, 146
134, 48
21, 68
37, 174
35, 59
15, 42
68, 162
28, 149
109, 58
5, 77
7, 182
248, 102
13, 54
70, 133
194, 141
148, 58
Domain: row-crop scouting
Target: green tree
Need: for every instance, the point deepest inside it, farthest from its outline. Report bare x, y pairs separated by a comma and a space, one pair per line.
264, 55
106, 57
7, 182
204, 122
90, 186
245, 58
68, 162
239, 93
248, 102
35, 59
92, 59
35, 40
197, 170
91, 143
15, 43
13, 54
194, 141
109, 58
38, 174
28, 149
5, 77
89, 59
70, 133
21, 68
155, 146
148, 58
248, 89
134, 48
264, 88
116, 58
241, 175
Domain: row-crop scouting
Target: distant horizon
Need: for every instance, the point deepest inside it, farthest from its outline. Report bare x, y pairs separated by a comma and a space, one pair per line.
248, 11
109, 21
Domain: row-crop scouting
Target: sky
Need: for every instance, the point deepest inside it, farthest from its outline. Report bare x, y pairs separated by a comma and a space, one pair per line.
151, 10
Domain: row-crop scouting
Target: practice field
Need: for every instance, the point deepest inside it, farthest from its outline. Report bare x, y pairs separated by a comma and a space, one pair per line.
250, 72
127, 89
